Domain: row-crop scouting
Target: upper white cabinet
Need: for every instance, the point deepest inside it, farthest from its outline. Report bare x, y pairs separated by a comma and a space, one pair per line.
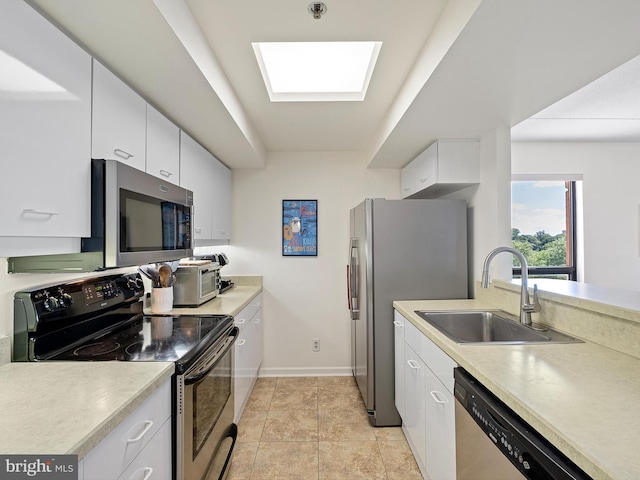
444, 167
45, 128
163, 147
119, 120
210, 182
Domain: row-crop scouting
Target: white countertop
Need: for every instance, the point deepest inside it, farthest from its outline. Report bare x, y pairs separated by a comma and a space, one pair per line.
69, 407
582, 397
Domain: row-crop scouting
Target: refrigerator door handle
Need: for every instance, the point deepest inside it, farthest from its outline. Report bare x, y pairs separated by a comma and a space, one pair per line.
353, 282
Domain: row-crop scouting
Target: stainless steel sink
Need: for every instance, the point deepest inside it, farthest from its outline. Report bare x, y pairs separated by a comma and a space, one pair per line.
480, 327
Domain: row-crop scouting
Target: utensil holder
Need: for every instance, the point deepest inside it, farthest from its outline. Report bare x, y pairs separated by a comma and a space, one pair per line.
162, 300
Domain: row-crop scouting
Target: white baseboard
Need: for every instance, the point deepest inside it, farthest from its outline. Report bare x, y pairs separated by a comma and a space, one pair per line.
305, 372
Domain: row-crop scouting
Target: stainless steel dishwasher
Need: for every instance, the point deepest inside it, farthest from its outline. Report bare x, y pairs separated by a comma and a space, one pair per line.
494, 443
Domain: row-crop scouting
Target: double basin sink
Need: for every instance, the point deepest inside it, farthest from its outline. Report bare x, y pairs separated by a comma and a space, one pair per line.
491, 327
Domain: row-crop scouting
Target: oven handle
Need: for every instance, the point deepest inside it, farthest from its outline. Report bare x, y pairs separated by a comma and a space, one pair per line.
208, 363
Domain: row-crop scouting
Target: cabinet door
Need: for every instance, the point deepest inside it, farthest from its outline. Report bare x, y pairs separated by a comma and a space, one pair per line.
398, 343
458, 161
420, 173
195, 175
45, 122
221, 208
256, 350
414, 420
163, 147
440, 430
119, 119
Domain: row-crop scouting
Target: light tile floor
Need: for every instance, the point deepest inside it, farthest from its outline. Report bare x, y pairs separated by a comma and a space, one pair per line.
307, 428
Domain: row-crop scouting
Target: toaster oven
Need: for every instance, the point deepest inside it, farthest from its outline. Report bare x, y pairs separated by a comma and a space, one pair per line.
196, 284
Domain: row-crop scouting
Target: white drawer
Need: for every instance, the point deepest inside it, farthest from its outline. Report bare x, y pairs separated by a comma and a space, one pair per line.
438, 362
154, 462
243, 318
114, 454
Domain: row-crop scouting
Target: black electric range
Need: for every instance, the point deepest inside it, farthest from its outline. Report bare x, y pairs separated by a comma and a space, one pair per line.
101, 318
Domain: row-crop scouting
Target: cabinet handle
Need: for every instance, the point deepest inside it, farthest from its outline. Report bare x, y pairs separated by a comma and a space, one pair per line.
398, 323
147, 473
423, 179
241, 321
434, 395
165, 173
241, 342
257, 320
122, 153
34, 211
406, 188
413, 364
149, 424
257, 305
198, 230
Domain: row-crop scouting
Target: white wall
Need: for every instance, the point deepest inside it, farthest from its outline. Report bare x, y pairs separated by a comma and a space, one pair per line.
489, 207
610, 172
304, 298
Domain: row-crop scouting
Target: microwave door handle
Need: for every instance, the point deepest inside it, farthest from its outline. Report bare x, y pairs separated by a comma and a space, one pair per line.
203, 370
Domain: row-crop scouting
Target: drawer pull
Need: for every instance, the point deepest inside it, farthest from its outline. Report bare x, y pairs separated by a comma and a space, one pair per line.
241, 342
398, 323
434, 395
34, 211
147, 473
165, 173
413, 364
149, 424
122, 154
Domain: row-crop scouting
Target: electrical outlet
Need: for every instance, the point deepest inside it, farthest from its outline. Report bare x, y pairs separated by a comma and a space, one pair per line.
315, 344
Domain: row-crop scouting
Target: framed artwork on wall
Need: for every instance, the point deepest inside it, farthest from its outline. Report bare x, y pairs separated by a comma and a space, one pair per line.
300, 228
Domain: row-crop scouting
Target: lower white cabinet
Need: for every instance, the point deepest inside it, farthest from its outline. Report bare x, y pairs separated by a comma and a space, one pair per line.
428, 419
139, 448
248, 353
398, 342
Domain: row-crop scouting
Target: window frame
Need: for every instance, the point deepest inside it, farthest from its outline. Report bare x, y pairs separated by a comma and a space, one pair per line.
570, 270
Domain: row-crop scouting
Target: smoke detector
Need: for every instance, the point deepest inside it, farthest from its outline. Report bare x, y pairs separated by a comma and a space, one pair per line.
317, 9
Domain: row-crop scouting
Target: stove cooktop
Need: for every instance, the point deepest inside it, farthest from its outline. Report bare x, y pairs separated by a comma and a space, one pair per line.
153, 338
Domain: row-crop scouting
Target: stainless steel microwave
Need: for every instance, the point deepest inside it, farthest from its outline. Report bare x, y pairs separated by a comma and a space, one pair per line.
136, 219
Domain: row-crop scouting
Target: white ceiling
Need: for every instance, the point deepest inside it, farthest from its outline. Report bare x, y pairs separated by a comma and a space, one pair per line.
447, 68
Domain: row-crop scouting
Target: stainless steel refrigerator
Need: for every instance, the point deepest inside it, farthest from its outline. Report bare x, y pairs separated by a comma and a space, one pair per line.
399, 250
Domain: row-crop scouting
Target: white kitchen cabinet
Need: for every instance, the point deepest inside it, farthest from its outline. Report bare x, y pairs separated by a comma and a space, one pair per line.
440, 428
398, 343
45, 129
444, 167
143, 437
429, 406
163, 147
248, 353
119, 120
414, 420
210, 182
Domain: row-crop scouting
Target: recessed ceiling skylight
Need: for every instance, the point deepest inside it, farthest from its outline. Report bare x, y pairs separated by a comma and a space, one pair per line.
316, 71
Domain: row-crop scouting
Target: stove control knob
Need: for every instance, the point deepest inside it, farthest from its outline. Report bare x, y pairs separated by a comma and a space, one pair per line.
134, 284
65, 300
51, 303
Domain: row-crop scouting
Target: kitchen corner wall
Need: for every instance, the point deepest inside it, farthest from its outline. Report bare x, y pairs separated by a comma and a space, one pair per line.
303, 298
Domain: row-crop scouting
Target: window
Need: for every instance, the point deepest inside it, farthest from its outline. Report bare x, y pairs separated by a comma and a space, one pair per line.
543, 227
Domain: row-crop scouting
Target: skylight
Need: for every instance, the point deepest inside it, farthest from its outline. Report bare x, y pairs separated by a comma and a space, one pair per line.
316, 71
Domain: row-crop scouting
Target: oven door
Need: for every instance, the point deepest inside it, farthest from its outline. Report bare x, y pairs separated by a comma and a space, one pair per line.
205, 432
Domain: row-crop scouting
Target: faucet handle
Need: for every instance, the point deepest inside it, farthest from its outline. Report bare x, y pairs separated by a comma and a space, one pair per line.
533, 307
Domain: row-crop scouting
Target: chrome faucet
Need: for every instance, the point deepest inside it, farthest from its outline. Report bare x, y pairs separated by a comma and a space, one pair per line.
526, 307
